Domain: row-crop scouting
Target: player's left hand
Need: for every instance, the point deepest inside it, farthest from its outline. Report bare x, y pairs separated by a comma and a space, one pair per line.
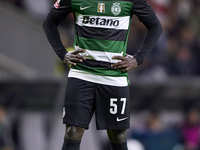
127, 63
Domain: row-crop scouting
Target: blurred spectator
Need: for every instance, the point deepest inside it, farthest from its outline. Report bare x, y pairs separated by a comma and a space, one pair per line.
191, 130
155, 136
153, 123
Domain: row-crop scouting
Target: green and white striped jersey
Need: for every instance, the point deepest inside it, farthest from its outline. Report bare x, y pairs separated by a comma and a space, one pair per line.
101, 28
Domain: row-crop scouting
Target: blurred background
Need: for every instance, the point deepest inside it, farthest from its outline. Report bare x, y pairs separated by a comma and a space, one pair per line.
165, 89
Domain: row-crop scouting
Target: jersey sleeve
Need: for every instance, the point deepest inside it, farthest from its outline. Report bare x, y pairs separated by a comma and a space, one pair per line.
147, 16
58, 13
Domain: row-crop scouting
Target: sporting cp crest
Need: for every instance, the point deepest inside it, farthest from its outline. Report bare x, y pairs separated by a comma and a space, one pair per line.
116, 8
101, 8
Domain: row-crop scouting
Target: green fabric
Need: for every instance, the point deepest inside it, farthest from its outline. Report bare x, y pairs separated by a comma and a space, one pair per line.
104, 45
100, 71
76, 4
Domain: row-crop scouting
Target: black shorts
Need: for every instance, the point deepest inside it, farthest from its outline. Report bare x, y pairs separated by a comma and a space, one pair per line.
110, 104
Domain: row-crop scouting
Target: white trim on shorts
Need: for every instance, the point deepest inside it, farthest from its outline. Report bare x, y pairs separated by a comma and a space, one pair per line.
106, 80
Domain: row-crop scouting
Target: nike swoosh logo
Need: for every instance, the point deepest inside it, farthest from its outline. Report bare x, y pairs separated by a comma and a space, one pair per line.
82, 8
118, 119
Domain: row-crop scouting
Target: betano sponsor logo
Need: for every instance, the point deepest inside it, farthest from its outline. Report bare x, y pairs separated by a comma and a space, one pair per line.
109, 22
100, 21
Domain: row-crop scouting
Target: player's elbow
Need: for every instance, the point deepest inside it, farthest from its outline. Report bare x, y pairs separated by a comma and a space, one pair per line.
159, 27
155, 26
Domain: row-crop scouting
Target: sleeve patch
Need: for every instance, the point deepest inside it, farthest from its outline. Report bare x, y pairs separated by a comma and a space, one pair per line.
57, 4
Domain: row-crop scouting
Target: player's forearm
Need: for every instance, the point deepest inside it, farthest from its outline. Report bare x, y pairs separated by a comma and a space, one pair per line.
154, 31
53, 36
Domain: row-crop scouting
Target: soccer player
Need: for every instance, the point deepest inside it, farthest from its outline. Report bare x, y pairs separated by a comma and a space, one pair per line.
97, 80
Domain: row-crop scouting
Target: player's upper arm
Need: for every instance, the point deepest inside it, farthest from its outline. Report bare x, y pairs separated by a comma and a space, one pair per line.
144, 12
59, 11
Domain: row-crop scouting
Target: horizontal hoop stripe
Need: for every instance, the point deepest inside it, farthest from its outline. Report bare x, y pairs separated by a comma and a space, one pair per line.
97, 64
106, 80
100, 45
101, 33
100, 71
107, 22
100, 55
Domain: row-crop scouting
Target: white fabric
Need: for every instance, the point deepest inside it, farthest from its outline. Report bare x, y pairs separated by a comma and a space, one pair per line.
106, 80
100, 56
123, 22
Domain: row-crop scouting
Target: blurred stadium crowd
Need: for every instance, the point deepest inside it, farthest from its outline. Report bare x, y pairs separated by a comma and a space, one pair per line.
178, 50
176, 54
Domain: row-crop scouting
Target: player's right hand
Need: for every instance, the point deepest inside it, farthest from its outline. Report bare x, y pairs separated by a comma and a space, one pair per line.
73, 57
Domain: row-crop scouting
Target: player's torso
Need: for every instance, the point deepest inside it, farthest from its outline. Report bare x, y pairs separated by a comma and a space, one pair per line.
101, 28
